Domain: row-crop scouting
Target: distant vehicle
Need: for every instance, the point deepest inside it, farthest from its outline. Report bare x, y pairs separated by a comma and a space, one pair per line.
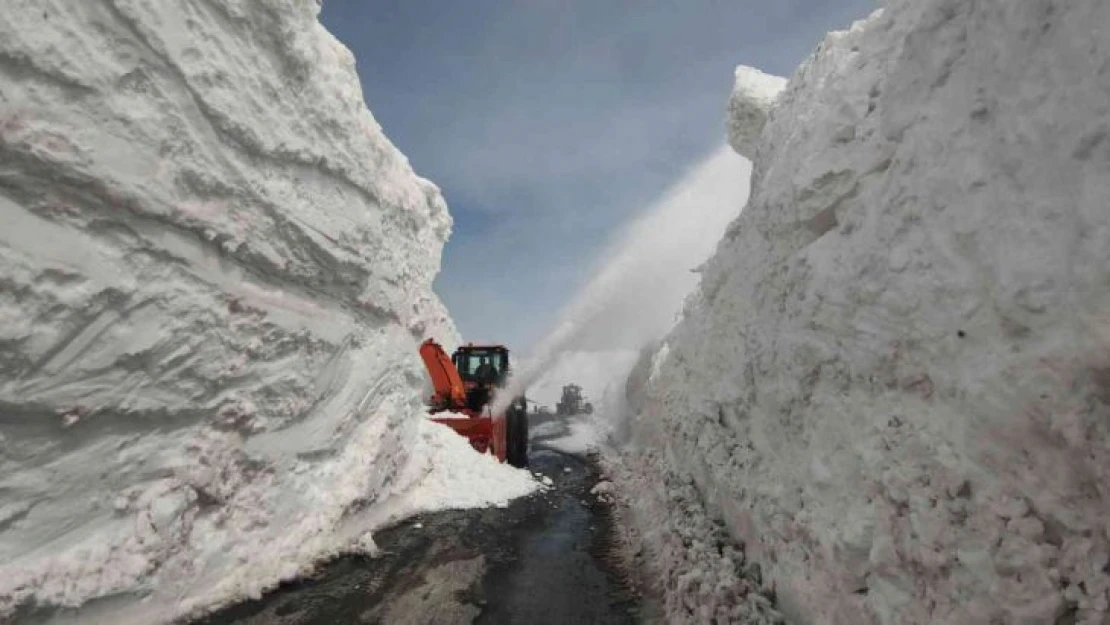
573, 402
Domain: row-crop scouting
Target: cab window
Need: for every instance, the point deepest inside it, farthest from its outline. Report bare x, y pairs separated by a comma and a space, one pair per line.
470, 362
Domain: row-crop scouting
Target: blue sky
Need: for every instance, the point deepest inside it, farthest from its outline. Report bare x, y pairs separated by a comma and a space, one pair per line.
550, 123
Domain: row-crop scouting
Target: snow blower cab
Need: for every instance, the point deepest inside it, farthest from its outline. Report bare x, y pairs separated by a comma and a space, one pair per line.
466, 384
483, 368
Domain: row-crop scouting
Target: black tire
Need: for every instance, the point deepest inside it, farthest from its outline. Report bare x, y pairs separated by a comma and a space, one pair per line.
516, 436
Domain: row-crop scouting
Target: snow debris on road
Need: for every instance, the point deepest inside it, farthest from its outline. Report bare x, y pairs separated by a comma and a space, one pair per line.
891, 383
601, 374
603, 490
667, 539
217, 270
587, 433
445, 473
545, 430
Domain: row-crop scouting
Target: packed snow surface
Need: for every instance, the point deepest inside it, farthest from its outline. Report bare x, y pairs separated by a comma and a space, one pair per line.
216, 272
893, 381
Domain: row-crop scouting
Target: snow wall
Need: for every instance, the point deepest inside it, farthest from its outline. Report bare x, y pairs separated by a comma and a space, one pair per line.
893, 382
216, 272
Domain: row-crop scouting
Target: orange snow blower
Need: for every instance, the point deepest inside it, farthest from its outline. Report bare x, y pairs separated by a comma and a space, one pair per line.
465, 384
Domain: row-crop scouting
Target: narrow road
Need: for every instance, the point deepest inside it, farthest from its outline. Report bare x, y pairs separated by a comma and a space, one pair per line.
539, 561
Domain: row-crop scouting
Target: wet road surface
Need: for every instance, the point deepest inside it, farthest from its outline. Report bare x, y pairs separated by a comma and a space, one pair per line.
541, 560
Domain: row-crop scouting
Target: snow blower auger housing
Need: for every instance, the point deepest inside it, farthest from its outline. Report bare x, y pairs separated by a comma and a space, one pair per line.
465, 384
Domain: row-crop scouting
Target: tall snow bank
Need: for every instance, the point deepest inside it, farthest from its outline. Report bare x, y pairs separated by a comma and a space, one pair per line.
216, 268
892, 383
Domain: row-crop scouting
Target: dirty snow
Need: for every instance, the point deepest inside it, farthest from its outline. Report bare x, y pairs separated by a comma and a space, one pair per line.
605, 491
675, 549
891, 382
216, 272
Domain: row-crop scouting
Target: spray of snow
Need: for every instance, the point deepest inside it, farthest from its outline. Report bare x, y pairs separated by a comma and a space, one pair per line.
647, 271
892, 381
599, 373
602, 375
216, 270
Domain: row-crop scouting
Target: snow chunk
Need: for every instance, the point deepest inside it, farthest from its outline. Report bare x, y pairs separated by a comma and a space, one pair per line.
753, 97
602, 488
604, 491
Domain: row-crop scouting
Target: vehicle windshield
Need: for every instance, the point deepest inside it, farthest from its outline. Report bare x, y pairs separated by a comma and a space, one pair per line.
470, 365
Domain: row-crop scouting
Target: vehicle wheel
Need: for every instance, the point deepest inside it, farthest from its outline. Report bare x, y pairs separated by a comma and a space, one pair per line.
516, 435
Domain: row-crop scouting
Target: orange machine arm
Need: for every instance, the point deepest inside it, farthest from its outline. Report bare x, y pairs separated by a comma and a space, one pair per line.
449, 393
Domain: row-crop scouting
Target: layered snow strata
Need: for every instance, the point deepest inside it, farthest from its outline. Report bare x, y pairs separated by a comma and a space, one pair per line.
892, 383
215, 270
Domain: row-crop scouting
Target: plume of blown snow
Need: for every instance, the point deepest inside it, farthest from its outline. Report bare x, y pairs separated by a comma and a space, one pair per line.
646, 272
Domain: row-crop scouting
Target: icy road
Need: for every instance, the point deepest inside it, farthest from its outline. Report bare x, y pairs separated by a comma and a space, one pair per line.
541, 560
